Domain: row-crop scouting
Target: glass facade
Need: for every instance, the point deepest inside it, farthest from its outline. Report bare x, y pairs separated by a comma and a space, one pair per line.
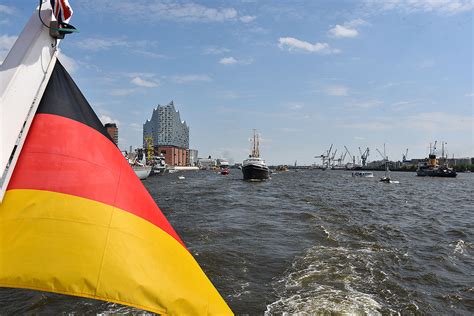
166, 128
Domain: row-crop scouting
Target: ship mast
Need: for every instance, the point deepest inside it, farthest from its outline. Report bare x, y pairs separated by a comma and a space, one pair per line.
256, 145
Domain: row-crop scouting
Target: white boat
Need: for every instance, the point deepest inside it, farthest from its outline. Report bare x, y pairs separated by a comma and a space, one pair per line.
362, 174
142, 172
159, 165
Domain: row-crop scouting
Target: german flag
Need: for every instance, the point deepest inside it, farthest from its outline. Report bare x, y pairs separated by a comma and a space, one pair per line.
76, 219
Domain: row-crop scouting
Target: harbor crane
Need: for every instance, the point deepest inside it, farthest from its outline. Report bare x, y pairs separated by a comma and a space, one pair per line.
341, 159
405, 156
326, 158
433, 149
364, 155
350, 155
332, 158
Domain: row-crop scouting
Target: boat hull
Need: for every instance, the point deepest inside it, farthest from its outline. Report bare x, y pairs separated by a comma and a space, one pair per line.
254, 172
443, 173
142, 172
362, 174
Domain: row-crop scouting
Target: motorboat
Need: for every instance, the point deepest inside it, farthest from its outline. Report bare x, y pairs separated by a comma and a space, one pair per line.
362, 174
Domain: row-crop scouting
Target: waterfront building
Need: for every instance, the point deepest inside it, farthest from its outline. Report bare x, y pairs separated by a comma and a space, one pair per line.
193, 157
170, 135
174, 156
112, 130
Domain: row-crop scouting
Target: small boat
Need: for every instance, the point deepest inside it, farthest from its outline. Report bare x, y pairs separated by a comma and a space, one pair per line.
181, 177
254, 168
282, 168
159, 165
386, 178
362, 174
225, 171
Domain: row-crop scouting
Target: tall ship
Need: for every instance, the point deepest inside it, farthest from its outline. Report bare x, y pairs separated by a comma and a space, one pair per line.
432, 168
254, 168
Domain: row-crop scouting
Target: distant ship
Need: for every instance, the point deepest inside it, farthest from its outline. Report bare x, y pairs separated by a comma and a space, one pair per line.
431, 168
254, 168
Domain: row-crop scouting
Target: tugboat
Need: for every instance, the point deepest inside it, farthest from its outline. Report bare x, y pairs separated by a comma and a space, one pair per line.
254, 168
431, 168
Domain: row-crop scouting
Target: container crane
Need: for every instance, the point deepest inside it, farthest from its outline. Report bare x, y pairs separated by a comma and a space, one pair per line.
350, 155
326, 157
404, 156
332, 157
364, 155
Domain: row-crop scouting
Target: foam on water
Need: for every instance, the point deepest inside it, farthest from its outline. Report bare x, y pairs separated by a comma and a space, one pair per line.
328, 280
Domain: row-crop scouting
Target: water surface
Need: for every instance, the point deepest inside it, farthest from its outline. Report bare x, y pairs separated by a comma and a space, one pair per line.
316, 242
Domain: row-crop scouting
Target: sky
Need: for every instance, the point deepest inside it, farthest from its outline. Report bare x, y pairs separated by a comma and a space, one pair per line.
305, 74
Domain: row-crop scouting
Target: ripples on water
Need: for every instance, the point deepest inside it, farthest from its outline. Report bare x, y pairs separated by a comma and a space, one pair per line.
314, 242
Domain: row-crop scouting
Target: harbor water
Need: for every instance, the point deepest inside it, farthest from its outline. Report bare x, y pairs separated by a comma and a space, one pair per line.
312, 242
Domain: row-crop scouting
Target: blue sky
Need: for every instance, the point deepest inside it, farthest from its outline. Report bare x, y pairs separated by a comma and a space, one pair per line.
304, 73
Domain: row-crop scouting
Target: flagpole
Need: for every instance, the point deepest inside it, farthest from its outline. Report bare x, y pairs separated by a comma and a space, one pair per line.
24, 75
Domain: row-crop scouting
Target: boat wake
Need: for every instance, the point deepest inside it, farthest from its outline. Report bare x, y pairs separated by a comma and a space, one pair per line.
328, 280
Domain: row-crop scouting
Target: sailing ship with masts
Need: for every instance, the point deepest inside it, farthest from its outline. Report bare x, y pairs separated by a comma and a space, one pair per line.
254, 168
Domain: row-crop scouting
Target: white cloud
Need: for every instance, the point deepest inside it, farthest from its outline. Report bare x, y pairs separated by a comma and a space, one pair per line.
425, 121
426, 63
341, 31
70, 64
6, 9
469, 94
136, 127
145, 83
228, 61
295, 106
365, 104
158, 10
447, 7
247, 18
348, 29
213, 50
292, 43
191, 78
122, 92
107, 119
147, 53
290, 130
337, 91
439, 121
232, 61
6, 43
404, 105
98, 44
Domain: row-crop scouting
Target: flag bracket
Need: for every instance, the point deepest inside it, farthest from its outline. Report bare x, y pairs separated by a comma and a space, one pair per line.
58, 30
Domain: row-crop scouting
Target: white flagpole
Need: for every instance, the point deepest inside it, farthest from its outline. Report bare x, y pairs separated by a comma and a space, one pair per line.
24, 76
